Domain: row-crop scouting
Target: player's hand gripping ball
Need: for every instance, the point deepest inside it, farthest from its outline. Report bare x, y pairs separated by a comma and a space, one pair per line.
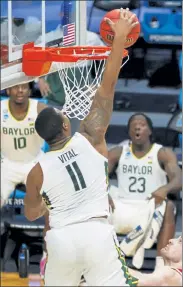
108, 35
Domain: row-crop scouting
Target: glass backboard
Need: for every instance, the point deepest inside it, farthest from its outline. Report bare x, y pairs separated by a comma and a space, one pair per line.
46, 23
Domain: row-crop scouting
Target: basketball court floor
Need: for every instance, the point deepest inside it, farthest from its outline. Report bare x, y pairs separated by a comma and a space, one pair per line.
13, 279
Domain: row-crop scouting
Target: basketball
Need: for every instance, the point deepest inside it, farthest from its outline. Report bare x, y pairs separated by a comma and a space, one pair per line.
108, 35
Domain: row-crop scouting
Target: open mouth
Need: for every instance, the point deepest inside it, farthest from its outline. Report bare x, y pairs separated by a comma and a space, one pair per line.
137, 135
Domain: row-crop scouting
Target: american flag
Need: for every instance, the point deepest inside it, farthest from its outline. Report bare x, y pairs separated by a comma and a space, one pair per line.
69, 34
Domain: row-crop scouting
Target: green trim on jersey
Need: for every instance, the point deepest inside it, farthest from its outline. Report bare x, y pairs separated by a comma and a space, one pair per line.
130, 280
47, 200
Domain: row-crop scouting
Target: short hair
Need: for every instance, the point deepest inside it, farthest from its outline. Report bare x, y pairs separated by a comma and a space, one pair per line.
49, 124
148, 120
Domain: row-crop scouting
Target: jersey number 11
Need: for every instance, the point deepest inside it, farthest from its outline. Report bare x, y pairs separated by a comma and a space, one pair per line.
77, 176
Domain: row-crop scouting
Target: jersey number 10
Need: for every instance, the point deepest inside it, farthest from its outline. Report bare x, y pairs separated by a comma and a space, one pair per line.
19, 143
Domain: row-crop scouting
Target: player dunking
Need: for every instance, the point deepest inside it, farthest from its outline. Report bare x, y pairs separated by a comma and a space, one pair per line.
72, 180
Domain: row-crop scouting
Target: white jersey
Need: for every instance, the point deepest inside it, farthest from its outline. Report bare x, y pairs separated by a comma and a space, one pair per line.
75, 183
19, 139
138, 178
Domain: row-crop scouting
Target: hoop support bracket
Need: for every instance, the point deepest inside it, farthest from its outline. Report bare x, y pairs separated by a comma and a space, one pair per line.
36, 61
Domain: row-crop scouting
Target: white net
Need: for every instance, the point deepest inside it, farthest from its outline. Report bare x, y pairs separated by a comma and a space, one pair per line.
80, 81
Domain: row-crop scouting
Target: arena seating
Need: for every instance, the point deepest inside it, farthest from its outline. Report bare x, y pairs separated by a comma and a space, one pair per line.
158, 103
149, 69
180, 65
161, 26
18, 230
161, 21
97, 9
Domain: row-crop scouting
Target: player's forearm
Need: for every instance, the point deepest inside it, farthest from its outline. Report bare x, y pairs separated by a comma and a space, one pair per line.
174, 186
146, 279
113, 66
152, 280
147, 282
175, 180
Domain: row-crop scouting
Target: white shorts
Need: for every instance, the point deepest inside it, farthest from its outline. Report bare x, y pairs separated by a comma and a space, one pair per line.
13, 173
128, 214
86, 249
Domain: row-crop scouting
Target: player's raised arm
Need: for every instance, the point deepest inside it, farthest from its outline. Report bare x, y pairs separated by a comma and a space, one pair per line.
97, 121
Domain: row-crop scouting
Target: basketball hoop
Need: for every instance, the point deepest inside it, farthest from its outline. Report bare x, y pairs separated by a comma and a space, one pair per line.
71, 61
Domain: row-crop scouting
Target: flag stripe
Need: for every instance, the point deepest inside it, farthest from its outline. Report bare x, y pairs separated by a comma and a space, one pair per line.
69, 34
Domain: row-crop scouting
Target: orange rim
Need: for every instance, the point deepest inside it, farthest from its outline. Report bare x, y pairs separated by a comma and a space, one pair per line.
74, 54
37, 60
67, 54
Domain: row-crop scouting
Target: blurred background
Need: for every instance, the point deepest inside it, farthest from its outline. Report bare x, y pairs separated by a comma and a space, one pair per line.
151, 82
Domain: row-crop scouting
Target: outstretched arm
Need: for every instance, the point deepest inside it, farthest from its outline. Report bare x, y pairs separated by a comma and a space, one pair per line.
94, 126
163, 277
147, 279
